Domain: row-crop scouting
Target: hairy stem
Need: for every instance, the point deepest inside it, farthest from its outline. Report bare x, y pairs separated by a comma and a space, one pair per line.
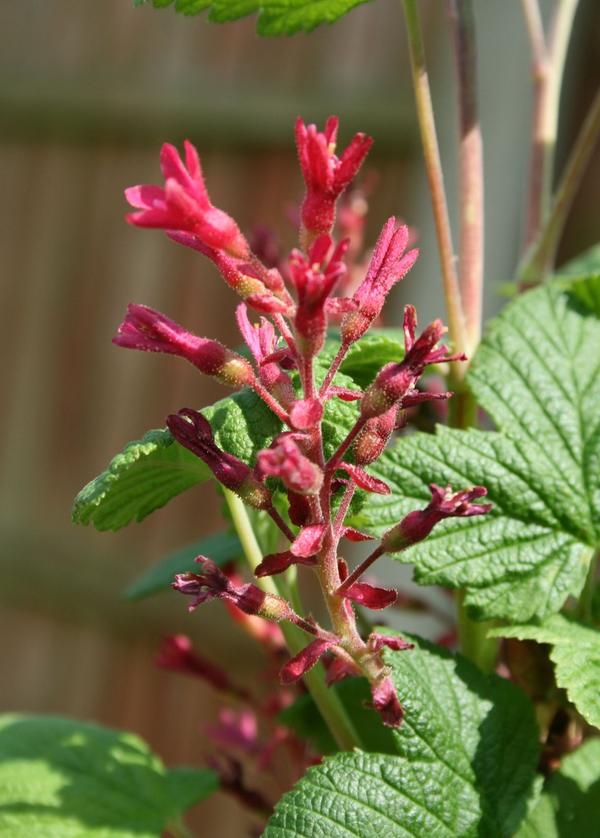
456, 324
362, 567
471, 248
326, 700
335, 365
539, 260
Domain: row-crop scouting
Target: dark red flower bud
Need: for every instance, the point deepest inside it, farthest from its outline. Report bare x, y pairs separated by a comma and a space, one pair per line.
279, 562
211, 583
149, 330
193, 431
444, 504
325, 174
375, 435
184, 204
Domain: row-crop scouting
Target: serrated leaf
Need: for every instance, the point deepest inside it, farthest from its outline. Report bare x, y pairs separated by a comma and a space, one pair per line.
465, 766
221, 548
275, 17
149, 472
569, 805
67, 778
537, 373
575, 653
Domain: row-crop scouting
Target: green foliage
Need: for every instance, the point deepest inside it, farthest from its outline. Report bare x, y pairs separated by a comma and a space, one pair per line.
221, 548
569, 805
275, 17
151, 471
366, 357
537, 374
575, 652
585, 264
71, 779
465, 763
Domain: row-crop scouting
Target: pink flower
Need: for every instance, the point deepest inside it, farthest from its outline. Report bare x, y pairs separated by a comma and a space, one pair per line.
325, 174
262, 288
389, 264
386, 702
176, 653
304, 660
262, 342
193, 431
149, 330
444, 504
211, 583
314, 277
396, 381
183, 204
285, 460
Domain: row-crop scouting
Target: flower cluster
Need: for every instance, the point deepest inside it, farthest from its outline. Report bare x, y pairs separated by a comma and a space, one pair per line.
296, 301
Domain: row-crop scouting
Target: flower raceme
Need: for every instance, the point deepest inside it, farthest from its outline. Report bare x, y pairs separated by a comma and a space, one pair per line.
288, 336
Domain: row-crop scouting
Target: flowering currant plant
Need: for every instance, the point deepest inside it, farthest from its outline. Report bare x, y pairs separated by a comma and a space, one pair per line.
343, 443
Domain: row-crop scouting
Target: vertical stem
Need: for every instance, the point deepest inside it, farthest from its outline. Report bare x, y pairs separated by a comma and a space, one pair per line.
548, 61
456, 324
471, 248
327, 701
539, 259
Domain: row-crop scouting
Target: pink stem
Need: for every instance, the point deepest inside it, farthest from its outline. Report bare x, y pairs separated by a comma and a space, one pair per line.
356, 574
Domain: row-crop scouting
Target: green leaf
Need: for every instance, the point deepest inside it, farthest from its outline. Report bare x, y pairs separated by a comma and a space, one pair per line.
569, 805
583, 265
72, 779
221, 548
587, 291
366, 357
465, 763
151, 471
141, 478
576, 654
304, 718
537, 373
275, 17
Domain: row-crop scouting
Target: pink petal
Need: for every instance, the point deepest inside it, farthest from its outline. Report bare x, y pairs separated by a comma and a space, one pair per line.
306, 413
309, 540
340, 305
366, 481
376, 642
370, 596
145, 196
304, 660
278, 562
385, 701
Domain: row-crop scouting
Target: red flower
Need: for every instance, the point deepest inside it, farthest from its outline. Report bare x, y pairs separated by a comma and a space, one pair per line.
284, 459
325, 174
262, 342
444, 504
370, 596
386, 702
193, 431
389, 264
149, 330
183, 204
304, 660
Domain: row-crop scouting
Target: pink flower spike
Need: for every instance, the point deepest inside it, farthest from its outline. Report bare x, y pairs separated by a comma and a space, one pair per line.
211, 583
444, 504
309, 540
304, 660
193, 431
285, 460
370, 596
325, 174
306, 413
366, 481
385, 701
279, 562
389, 264
355, 535
377, 642
150, 331
183, 204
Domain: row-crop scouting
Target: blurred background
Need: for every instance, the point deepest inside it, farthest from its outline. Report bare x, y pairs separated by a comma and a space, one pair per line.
88, 92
